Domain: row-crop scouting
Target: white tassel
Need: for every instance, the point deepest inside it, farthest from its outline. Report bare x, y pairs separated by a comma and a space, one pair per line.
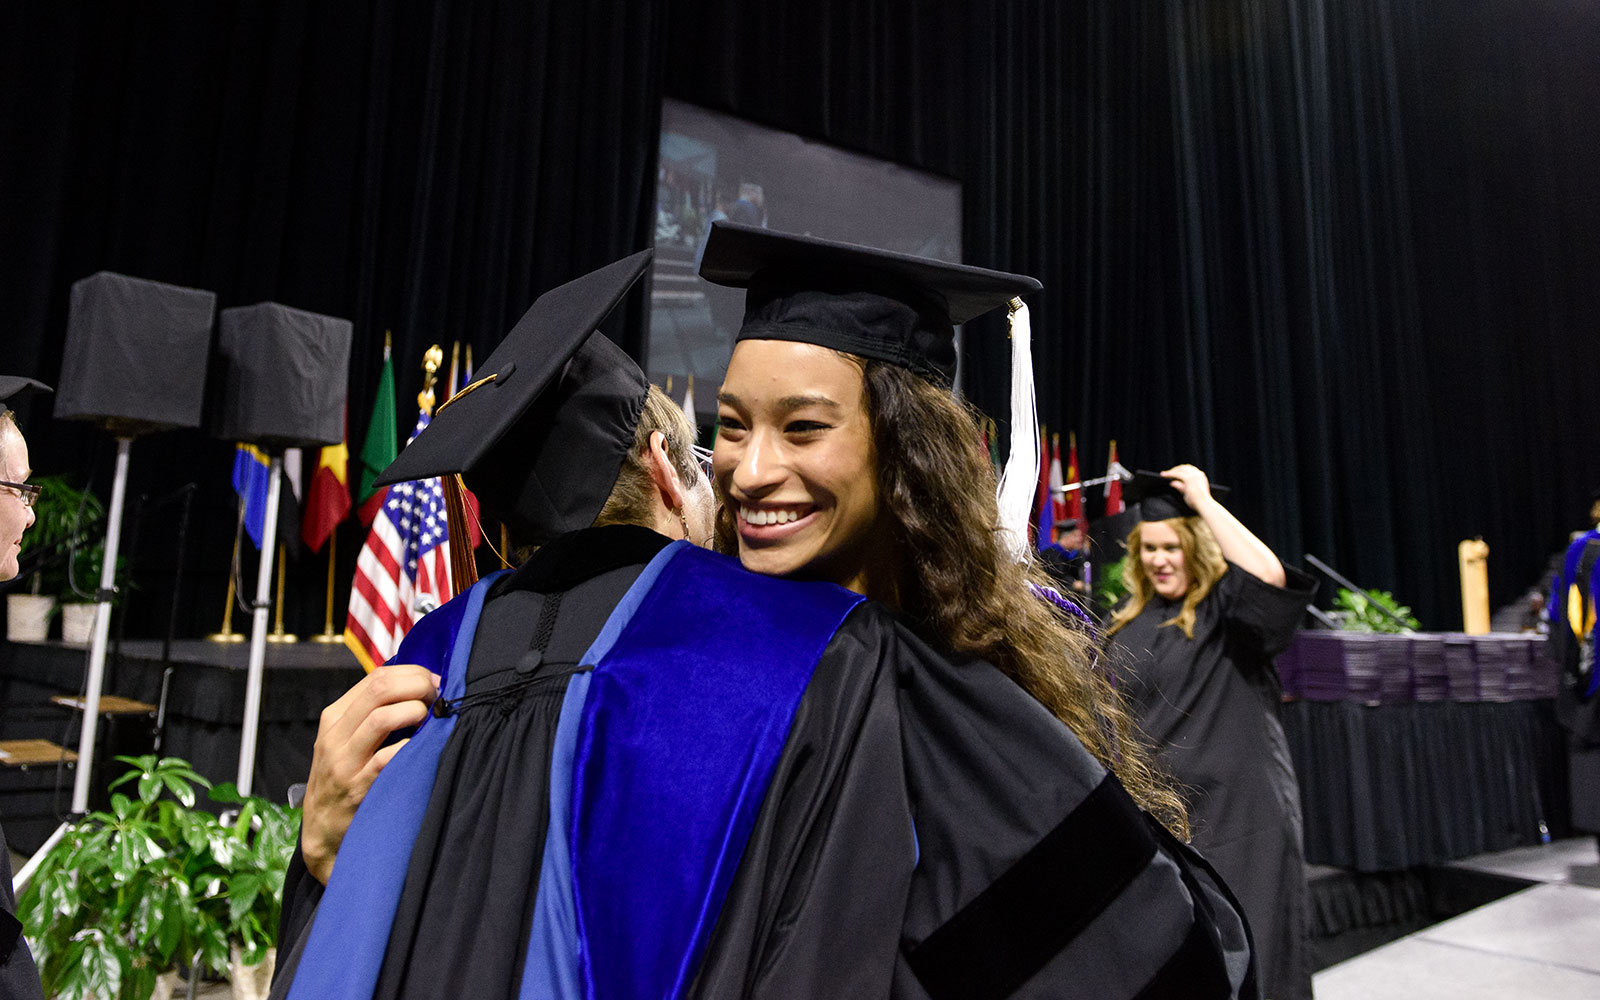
1020, 481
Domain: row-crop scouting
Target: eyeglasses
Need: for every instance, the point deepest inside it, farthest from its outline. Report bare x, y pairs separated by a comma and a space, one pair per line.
703, 456
27, 491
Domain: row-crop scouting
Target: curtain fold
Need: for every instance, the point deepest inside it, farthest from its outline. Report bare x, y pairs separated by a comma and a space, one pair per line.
1339, 254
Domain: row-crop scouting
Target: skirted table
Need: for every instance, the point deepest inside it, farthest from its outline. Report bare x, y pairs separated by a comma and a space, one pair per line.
205, 704
1419, 749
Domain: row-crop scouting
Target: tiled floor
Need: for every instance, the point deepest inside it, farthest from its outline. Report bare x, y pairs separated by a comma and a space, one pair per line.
1536, 944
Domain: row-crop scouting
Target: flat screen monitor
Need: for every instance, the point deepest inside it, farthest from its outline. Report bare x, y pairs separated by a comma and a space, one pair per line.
716, 166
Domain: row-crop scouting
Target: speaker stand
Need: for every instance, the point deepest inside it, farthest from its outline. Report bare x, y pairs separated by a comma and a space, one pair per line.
258, 628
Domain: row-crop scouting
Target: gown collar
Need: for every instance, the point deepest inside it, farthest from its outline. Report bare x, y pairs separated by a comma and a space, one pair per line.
568, 560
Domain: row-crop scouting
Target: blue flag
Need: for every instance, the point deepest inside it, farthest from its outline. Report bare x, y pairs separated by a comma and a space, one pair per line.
251, 474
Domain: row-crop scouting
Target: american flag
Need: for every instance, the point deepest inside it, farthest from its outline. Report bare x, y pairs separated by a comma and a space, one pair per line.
403, 571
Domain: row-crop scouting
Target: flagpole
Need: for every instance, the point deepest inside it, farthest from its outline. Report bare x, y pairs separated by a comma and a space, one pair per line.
228, 634
328, 635
278, 634
1123, 474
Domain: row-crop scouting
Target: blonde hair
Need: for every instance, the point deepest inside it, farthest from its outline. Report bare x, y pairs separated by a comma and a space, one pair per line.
1202, 560
632, 499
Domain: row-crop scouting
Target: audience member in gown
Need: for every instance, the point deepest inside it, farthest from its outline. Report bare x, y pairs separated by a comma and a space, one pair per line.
1209, 605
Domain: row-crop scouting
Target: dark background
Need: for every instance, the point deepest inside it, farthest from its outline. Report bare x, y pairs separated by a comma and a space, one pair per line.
1343, 256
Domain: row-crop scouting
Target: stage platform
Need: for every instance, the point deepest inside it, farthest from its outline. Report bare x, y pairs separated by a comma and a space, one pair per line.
205, 710
1534, 944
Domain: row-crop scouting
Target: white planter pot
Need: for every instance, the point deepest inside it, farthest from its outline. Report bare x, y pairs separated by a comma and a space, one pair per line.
28, 617
251, 982
166, 985
77, 622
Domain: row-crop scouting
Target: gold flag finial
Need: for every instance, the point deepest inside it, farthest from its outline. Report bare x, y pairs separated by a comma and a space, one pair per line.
431, 360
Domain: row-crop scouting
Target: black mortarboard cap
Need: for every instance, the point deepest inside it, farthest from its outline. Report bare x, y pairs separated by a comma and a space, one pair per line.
10, 385
872, 303
1157, 499
541, 433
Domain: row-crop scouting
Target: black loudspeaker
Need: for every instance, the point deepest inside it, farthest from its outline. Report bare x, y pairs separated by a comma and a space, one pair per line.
284, 377
136, 353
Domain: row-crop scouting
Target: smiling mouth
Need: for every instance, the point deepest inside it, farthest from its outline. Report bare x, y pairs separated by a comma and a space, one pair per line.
772, 523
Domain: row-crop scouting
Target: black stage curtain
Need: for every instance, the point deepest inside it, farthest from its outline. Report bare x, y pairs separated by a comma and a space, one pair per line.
425, 168
1341, 255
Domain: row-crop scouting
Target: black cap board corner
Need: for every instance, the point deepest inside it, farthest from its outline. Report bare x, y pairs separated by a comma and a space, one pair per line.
873, 303
1157, 499
541, 433
10, 385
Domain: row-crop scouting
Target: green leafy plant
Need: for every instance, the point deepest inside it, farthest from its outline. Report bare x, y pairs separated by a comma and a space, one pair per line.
61, 512
1109, 589
87, 562
128, 893
1358, 611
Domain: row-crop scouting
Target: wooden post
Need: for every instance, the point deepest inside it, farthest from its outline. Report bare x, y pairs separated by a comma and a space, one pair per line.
1474, 558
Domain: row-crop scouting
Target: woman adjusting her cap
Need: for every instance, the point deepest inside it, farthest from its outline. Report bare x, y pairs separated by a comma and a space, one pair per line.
1209, 605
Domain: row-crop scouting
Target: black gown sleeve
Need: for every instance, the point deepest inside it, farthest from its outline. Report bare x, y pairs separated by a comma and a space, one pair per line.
1261, 617
19, 977
1039, 876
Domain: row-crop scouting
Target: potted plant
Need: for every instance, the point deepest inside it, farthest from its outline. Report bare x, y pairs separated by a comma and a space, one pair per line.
248, 892
77, 610
59, 513
1358, 611
128, 894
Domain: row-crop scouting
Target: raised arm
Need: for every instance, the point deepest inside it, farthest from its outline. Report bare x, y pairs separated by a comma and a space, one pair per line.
1239, 545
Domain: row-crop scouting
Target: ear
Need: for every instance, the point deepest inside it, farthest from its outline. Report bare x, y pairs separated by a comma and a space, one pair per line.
663, 474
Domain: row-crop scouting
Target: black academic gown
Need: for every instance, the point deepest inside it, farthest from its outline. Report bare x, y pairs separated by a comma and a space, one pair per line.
925, 834
1211, 704
19, 978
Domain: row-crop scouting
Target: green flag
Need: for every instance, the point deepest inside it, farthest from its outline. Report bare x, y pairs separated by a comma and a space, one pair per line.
381, 445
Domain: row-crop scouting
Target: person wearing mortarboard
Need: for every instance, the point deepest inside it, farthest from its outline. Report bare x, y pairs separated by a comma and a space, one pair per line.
1063, 558
19, 978
843, 455
1209, 605
890, 790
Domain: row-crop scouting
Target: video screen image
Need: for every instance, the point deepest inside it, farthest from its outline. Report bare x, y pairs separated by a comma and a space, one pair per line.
715, 166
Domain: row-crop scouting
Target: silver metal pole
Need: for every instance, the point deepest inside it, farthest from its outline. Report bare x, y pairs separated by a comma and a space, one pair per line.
24, 875
102, 631
258, 631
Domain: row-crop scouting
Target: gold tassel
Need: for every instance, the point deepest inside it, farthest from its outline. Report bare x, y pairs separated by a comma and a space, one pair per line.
463, 564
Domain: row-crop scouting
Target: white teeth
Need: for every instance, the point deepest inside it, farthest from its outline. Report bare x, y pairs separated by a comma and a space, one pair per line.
765, 517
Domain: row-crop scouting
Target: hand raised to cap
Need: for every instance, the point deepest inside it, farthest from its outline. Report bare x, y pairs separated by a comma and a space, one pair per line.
1190, 482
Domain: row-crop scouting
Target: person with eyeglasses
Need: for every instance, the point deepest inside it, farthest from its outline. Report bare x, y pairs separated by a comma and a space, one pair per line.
19, 978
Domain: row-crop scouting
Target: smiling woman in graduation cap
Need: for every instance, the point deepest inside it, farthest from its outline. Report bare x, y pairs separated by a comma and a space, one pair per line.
652, 774
1209, 606
842, 455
